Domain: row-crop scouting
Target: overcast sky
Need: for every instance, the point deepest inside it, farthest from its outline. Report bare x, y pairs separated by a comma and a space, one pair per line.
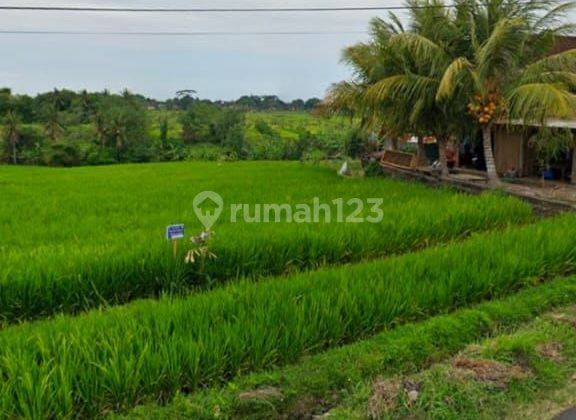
218, 67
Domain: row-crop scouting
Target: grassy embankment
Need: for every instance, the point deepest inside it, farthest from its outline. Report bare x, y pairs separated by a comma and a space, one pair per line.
344, 377
505, 377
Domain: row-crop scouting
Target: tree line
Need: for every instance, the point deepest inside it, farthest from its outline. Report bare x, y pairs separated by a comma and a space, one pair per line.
66, 128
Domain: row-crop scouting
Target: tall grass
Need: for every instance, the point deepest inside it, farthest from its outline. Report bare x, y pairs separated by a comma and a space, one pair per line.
71, 239
103, 361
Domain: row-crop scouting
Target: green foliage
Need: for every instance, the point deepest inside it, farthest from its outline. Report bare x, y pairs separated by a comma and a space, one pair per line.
206, 152
198, 123
295, 136
164, 129
107, 128
152, 349
264, 128
373, 169
61, 154
125, 132
105, 244
230, 132
550, 143
12, 136
355, 145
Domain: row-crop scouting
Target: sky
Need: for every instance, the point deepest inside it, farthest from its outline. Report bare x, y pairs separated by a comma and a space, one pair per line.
218, 67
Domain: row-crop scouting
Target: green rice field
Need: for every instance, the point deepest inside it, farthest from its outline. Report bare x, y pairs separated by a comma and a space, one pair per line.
286, 320
71, 239
155, 348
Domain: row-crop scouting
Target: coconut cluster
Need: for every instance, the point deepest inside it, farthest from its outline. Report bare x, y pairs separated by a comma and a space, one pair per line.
483, 109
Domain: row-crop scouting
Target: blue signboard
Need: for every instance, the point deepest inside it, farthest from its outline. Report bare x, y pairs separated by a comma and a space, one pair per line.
174, 232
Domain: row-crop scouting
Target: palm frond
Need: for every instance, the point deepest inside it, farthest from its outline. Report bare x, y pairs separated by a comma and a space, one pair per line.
344, 98
455, 72
418, 110
361, 58
539, 102
422, 52
380, 30
406, 88
564, 62
554, 16
395, 24
422, 48
566, 78
503, 48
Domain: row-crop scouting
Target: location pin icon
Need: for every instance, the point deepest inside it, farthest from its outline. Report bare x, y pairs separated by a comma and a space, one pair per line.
208, 207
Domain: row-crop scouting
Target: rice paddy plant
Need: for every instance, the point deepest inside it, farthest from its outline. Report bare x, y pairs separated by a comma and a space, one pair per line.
315, 384
113, 360
72, 239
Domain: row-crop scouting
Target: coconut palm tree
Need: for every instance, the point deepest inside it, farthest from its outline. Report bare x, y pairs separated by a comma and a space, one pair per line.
412, 79
398, 73
421, 55
53, 126
12, 134
509, 77
101, 128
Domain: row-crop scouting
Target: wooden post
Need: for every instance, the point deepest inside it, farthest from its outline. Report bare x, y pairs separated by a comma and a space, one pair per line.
175, 248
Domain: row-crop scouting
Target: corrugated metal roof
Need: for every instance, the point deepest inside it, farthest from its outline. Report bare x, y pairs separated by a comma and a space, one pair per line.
554, 123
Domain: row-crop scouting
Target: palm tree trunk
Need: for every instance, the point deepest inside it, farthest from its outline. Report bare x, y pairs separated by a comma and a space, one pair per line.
493, 178
394, 141
442, 155
14, 151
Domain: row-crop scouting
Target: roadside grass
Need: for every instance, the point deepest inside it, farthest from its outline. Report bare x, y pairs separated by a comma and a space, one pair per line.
547, 406
73, 239
318, 383
111, 361
488, 380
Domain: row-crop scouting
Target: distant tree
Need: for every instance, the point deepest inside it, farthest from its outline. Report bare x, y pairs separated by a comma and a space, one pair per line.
164, 129
100, 128
230, 130
126, 128
264, 128
26, 108
53, 126
12, 134
86, 106
312, 104
186, 92
128, 96
5, 100
297, 105
198, 123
